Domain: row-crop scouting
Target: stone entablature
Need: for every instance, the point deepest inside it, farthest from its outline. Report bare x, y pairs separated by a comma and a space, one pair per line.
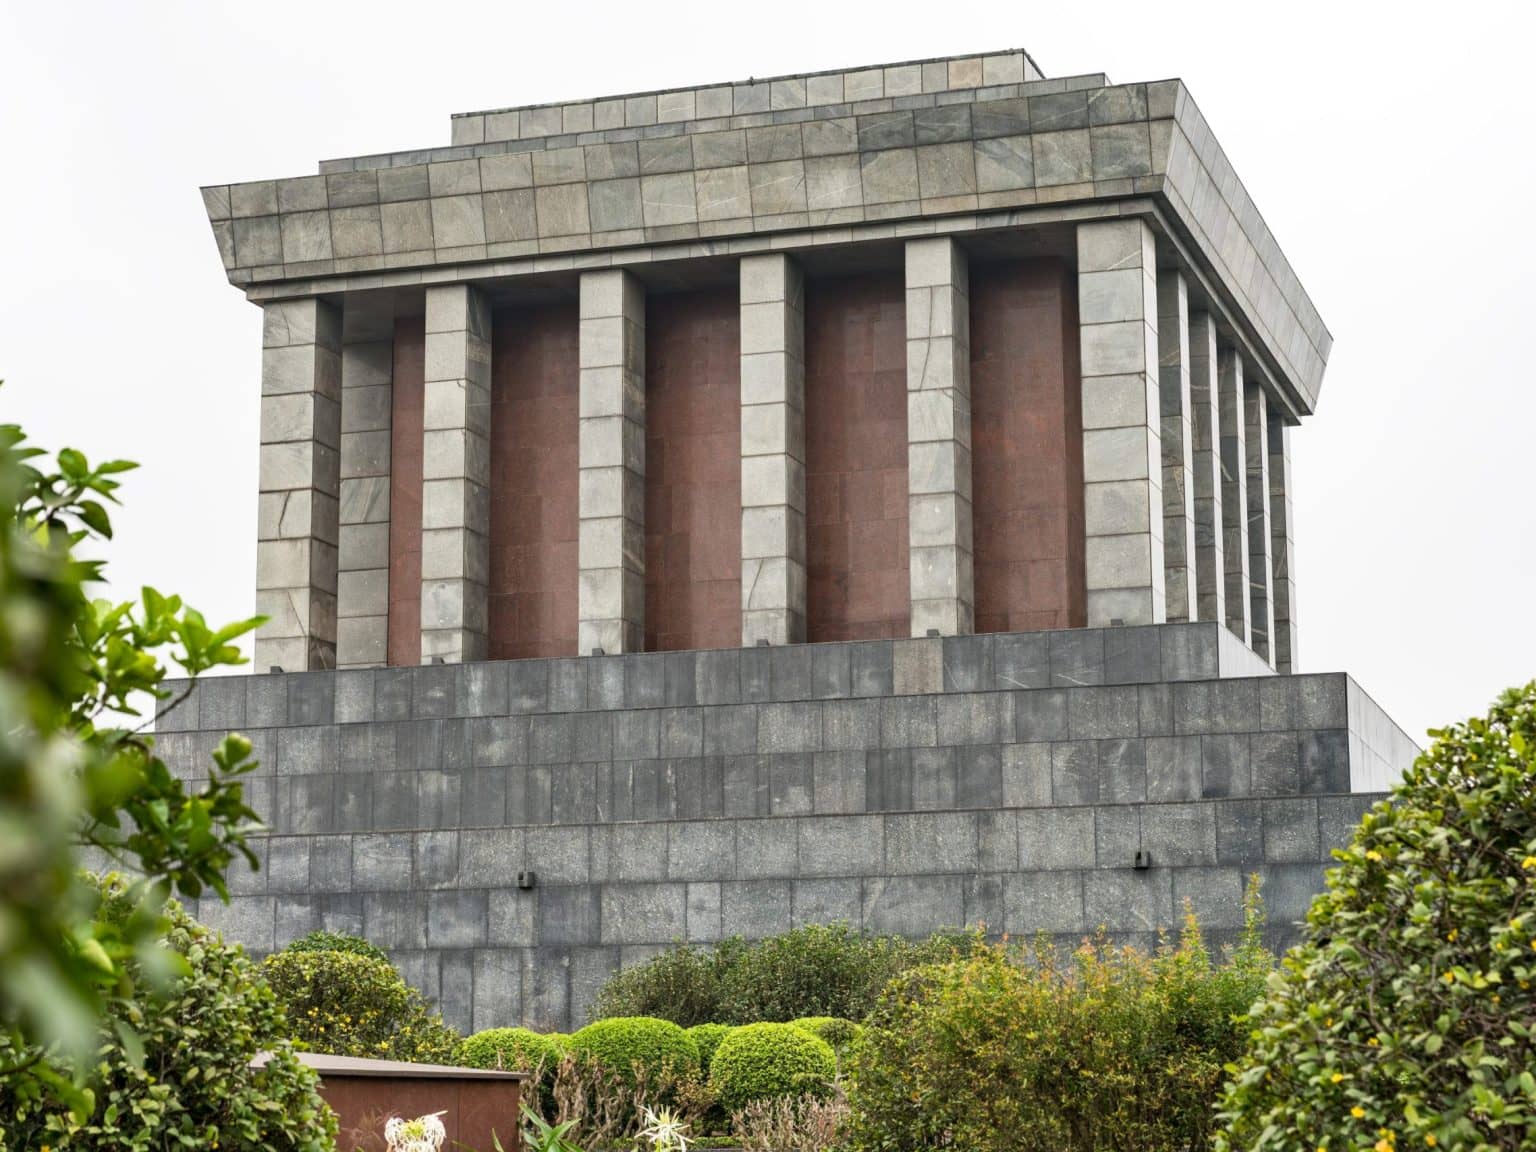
1089, 146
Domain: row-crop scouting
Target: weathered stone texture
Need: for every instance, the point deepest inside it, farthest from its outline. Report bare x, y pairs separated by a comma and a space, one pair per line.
898, 786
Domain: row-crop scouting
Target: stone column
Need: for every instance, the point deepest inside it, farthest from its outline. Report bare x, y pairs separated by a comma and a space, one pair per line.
1261, 611
1177, 435
1122, 452
1282, 537
300, 460
611, 588
772, 450
940, 557
362, 595
455, 475
1210, 561
1234, 489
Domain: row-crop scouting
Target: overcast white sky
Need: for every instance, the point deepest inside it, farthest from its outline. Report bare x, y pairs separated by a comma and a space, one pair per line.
1386, 153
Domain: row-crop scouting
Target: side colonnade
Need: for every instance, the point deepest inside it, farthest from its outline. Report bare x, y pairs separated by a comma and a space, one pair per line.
1186, 485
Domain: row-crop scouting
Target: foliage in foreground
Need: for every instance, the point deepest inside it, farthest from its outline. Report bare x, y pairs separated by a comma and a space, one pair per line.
791, 1123
1406, 1017
347, 1004
813, 971
322, 941
175, 1071
73, 780
1106, 1048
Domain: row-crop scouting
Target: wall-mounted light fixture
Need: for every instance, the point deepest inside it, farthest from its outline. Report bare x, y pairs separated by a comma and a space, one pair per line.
526, 880
1143, 861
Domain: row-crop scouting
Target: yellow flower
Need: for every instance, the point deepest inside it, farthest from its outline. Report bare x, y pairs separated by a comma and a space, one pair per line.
1430, 1140
1529, 863
1449, 978
1338, 1077
1451, 935
1357, 1112
1373, 855
1373, 1042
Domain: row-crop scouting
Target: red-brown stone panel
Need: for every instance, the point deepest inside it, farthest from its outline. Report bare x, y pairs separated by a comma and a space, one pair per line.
856, 458
404, 631
535, 384
692, 470
1027, 447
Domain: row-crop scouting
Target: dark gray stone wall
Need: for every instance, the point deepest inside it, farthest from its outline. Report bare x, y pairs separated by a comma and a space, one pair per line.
897, 786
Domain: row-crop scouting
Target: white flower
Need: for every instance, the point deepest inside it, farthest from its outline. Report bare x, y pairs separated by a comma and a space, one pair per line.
423, 1134
665, 1131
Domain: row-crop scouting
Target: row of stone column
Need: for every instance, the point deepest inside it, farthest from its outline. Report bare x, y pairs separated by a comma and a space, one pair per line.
1186, 467
1186, 464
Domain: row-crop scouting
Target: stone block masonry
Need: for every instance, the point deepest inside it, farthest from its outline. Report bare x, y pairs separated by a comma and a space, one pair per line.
897, 786
879, 359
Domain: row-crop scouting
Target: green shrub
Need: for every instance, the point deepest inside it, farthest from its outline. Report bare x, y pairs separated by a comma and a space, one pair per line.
1405, 1018
634, 1046
192, 1084
1108, 1048
322, 941
835, 1031
766, 1061
813, 971
351, 1005
513, 1049
708, 1037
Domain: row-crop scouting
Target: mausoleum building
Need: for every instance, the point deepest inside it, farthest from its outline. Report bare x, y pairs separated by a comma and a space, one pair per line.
860, 496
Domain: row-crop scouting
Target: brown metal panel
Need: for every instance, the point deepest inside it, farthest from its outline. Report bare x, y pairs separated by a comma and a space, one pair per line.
535, 393
473, 1109
693, 470
856, 458
404, 633
1027, 453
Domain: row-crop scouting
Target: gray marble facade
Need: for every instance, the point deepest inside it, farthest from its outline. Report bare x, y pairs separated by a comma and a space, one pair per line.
897, 786
514, 832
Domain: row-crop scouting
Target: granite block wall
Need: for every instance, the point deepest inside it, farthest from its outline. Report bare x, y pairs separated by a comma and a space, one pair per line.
898, 786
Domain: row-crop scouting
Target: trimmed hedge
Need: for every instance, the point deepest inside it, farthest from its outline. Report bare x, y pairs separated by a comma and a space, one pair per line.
764, 1061
621, 1044
512, 1049
708, 1037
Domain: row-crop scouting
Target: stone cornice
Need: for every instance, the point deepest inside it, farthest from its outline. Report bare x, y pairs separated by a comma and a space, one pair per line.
1090, 147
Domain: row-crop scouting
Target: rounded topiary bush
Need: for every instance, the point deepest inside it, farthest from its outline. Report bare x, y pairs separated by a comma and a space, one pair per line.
834, 1030
764, 1061
512, 1049
630, 1046
1404, 1020
322, 941
346, 1004
708, 1037
192, 1084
